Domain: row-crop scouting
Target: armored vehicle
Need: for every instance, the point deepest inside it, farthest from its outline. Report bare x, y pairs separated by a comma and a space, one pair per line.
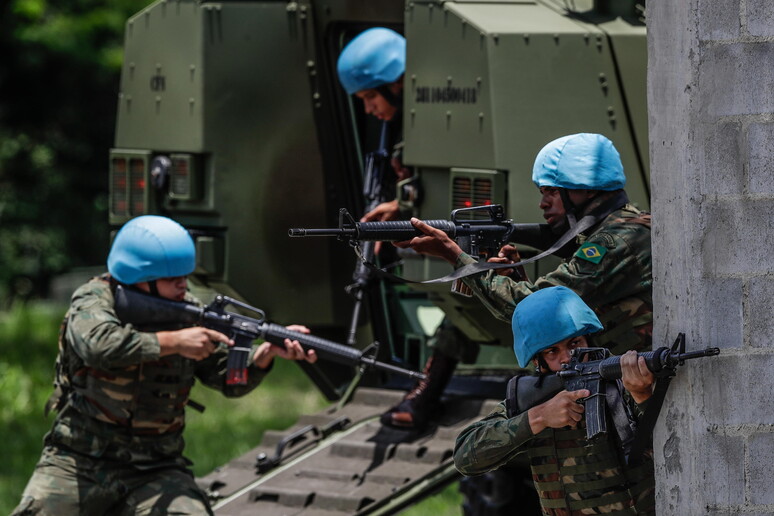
231, 120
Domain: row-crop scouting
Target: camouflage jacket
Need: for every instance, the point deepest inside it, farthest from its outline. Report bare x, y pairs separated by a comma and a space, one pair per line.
616, 280
120, 399
572, 477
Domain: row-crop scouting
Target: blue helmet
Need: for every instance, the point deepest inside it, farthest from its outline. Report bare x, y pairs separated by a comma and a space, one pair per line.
151, 247
582, 161
548, 316
375, 57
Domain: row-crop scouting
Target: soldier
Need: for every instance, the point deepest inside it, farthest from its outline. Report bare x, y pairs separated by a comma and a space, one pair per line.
572, 477
371, 67
120, 392
579, 176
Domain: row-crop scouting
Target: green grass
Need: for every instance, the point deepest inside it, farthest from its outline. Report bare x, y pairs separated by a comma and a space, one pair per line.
446, 503
230, 427
227, 428
28, 348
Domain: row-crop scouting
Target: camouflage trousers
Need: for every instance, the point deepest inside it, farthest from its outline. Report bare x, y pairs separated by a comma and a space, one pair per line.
65, 483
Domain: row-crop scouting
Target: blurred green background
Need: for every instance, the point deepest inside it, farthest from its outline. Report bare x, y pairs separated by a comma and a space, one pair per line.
58, 85
59, 77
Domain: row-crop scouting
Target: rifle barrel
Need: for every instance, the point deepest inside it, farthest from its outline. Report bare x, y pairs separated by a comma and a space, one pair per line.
330, 350
414, 375
707, 352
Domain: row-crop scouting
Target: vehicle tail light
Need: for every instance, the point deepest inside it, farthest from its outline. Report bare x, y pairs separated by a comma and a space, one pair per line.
469, 191
118, 187
462, 193
137, 178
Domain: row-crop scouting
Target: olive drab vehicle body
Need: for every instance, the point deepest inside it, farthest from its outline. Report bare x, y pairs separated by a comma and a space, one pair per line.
231, 120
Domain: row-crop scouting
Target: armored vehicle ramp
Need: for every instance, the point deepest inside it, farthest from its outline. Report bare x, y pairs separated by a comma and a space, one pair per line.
343, 461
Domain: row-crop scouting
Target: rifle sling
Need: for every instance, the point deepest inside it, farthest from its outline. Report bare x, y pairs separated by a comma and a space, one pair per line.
644, 434
472, 269
511, 407
622, 420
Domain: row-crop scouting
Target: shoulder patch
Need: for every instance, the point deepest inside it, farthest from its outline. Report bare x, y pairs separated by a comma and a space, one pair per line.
591, 252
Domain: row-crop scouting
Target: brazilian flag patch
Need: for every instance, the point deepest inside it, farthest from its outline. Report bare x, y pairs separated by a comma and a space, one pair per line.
591, 252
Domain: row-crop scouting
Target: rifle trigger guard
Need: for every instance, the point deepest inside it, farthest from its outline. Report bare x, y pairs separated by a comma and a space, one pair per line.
581, 401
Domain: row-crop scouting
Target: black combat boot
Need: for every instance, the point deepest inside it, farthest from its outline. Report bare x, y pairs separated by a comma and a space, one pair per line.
423, 401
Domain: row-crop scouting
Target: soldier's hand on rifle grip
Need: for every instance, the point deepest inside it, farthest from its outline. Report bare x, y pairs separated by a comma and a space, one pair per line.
636, 377
509, 254
196, 343
292, 350
434, 243
558, 412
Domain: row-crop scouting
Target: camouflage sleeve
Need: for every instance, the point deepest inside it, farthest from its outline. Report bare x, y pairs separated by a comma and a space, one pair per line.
212, 372
618, 274
97, 335
492, 442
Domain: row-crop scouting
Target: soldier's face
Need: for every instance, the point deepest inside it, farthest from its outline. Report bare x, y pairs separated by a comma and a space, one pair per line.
169, 288
553, 208
560, 352
375, 104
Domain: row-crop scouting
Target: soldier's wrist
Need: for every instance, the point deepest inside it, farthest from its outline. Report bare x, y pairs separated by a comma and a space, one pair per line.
641, 396
264, 356
536, 420
168, 344
452, 252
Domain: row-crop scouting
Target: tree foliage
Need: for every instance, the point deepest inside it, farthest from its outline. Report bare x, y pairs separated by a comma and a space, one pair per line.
58, 84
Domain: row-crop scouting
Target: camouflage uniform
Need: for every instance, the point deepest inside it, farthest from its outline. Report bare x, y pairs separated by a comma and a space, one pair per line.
116, 445
618, 287
571, 477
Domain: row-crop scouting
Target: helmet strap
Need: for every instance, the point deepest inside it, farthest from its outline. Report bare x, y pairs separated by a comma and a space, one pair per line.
543, 370
542, 365
571, 209
153, 288
113, 283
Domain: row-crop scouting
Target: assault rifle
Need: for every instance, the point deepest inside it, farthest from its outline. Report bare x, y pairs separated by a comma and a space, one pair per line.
595, 370
374, 193
476, 234
134, 307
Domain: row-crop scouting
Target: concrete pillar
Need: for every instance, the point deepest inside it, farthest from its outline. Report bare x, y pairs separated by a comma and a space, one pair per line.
711, 115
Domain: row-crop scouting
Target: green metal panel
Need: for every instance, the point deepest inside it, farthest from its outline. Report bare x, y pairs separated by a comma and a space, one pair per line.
160, 99
264, 155
448, 96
